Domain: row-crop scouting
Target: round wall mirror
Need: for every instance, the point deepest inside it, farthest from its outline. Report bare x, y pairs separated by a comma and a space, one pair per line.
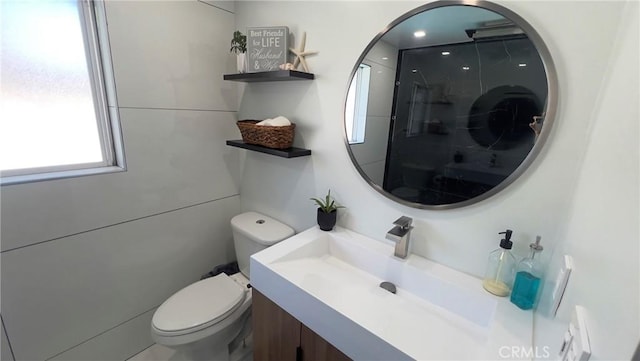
449, 104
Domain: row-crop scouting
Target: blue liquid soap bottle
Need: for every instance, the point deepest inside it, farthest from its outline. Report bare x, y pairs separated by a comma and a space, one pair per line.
499, 276
528, 276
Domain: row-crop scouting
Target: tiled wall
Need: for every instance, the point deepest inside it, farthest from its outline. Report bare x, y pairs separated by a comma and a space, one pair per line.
85, 261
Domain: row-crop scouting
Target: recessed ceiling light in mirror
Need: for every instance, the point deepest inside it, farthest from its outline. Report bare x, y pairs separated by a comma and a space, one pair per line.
445, 53
419, 34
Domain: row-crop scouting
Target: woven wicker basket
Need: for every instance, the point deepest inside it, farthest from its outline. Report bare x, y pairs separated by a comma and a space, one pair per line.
265, 135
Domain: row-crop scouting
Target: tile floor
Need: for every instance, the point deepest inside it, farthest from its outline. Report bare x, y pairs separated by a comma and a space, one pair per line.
160, 353
154, 353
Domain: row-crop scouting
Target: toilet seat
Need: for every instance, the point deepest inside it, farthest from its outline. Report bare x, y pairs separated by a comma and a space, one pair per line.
198, 306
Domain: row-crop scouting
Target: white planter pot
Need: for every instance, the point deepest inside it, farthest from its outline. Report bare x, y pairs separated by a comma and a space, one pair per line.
241, 62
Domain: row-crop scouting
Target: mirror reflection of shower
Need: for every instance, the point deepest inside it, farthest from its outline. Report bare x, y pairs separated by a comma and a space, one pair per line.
443, 122
461, 117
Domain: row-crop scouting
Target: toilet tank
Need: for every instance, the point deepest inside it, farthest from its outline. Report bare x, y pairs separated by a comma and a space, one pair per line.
253, 232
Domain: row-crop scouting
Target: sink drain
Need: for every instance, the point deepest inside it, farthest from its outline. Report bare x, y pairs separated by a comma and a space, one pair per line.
388, 286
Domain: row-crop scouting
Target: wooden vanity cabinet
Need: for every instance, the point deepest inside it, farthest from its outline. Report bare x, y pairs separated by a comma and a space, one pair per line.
278, 336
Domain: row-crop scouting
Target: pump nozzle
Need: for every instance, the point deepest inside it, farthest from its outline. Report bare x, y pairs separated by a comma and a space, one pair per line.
536, 246
507, 234
506, 241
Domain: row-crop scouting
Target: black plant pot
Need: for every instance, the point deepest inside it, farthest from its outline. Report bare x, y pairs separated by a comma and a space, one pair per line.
327, 221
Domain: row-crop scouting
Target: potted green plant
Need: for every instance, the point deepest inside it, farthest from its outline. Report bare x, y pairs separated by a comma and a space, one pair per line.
327, 212
239, 47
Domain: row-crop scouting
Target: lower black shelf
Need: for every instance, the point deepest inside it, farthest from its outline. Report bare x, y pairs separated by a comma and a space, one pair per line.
276, 75
292, 152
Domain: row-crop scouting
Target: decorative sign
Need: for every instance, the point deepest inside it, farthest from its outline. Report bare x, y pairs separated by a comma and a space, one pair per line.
267, 48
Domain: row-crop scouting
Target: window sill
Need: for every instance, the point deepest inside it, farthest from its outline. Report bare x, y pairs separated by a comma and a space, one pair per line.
39, 177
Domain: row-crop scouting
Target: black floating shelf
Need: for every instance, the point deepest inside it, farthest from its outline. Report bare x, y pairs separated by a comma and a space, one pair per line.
292, 152
278, 75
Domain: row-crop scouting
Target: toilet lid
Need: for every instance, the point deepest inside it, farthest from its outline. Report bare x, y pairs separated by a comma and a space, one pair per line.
205, 302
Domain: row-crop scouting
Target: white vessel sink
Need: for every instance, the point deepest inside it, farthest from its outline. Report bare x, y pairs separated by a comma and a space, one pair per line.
330, 281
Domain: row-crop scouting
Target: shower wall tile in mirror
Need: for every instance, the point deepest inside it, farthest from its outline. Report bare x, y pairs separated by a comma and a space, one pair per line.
452, 114
460, 115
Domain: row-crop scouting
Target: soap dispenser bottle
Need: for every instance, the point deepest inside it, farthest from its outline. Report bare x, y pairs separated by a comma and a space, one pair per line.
500, 270
528, 276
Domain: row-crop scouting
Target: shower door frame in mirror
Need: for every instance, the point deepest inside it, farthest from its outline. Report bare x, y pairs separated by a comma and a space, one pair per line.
542, 115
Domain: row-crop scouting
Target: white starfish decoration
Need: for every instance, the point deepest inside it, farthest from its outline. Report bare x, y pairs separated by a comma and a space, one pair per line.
301, 54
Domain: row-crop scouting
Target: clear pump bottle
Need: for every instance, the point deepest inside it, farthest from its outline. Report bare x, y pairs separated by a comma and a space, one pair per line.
528, 278
500, 270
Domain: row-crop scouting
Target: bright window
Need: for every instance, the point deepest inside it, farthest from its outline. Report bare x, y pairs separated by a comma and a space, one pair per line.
356, 107
58, 114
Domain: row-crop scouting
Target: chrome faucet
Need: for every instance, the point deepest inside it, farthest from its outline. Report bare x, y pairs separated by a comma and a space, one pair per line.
400, 234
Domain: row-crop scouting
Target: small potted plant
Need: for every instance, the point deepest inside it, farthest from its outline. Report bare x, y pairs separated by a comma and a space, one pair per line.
327, 212
239, 47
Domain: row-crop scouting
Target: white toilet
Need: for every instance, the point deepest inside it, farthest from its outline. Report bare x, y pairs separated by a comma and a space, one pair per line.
204, 320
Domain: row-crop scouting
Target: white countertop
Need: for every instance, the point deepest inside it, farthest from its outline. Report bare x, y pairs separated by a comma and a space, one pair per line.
437, 312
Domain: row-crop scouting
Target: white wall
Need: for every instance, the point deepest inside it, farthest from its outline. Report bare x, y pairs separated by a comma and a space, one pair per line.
539, 203
85, 261
602, 234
